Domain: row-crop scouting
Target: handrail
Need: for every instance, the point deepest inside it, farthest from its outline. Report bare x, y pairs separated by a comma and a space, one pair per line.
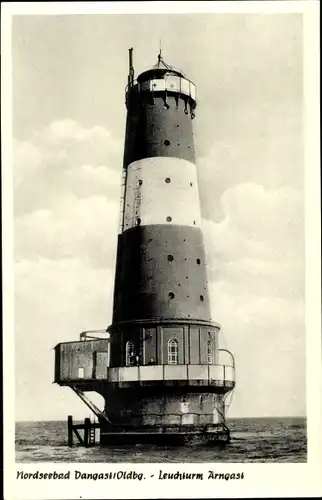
224, 377
138, 84
164, 372
231, 355
84, 335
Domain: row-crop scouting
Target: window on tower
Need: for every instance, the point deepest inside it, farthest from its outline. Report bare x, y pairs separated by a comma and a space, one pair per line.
129, 353
210, 352
173, 352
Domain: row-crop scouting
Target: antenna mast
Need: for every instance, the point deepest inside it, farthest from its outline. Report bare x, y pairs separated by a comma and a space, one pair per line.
131, 69
160, 51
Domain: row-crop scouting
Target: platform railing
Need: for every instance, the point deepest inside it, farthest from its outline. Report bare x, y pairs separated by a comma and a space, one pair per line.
216, 374
170, 83
92, 335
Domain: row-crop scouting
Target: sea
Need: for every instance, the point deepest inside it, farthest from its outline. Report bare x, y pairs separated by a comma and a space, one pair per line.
252, 440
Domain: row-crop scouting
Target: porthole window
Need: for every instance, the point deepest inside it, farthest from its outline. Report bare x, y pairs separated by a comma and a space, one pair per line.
173, 352
191, 184
194, 222
170, 258
201, 298
138, 221
140, 182
171, 295
198, 262
168, 180
166, 142
169, 219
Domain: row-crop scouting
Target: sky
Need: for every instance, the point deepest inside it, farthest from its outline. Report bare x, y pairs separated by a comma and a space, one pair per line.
69, 75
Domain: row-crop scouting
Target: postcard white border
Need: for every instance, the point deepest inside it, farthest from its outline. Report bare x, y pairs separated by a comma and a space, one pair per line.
260, 479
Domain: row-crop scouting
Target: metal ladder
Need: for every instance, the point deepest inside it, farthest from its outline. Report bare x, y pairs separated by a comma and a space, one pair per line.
137, 197
122, 200
91, 436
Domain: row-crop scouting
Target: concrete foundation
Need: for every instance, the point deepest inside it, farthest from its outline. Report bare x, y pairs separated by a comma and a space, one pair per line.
159, 408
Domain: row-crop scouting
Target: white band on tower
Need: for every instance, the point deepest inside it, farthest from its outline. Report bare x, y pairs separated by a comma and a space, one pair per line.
161, 190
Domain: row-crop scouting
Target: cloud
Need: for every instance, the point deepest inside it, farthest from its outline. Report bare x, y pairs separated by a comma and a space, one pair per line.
67, 189
255, 260
65, 208
64, 131
54, 302
260, 236
65, 158
83, 228
58, 299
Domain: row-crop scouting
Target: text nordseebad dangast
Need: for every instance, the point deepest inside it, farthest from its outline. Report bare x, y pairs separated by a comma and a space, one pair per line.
130, 475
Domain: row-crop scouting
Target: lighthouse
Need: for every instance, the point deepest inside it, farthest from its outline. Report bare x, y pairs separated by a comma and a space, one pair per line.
161, 372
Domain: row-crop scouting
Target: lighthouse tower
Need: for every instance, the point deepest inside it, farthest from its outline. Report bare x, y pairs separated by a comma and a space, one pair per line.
161, 372
162, 334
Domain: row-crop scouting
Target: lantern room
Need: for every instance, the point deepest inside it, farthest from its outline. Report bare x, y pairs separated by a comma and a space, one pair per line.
164, 80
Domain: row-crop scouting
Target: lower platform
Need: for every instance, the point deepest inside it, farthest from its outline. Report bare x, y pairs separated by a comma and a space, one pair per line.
129, 434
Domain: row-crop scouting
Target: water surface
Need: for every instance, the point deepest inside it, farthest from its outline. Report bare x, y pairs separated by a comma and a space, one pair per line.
253, 440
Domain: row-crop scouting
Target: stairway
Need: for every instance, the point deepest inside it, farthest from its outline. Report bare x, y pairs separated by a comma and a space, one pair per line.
97, 412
